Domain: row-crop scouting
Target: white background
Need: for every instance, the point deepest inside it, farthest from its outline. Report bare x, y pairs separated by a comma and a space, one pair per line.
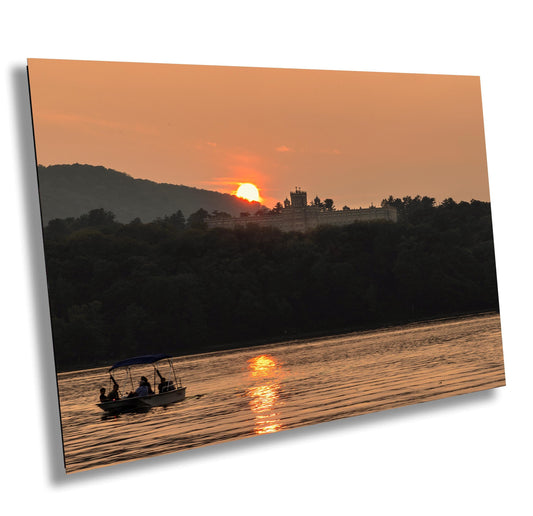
466, 455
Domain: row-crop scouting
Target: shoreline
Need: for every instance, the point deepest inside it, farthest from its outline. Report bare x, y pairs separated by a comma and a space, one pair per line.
338, 332
296, 336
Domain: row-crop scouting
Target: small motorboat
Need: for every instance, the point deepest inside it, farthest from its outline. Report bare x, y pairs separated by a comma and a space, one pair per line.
167, 391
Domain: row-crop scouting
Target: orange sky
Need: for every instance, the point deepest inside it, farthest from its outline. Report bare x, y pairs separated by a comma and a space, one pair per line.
355, 137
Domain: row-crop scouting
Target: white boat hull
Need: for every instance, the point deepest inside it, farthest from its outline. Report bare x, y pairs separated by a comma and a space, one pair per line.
140, 403
164, 398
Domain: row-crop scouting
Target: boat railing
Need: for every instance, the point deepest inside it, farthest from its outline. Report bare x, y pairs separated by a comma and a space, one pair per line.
160, 384
170, 384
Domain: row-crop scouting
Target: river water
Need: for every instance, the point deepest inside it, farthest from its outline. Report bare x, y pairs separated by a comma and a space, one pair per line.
246, 392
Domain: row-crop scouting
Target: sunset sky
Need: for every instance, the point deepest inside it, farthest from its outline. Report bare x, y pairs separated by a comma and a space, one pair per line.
355, 137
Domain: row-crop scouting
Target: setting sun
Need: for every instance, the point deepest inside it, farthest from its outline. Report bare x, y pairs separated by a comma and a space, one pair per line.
249, 192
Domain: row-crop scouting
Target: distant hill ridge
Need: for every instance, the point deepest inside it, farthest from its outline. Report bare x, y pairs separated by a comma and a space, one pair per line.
72, 190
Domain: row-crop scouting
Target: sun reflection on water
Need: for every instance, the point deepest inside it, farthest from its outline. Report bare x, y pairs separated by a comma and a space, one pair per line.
265, 370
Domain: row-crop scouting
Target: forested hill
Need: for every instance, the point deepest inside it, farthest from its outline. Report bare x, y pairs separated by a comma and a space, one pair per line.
72, 190
173, 286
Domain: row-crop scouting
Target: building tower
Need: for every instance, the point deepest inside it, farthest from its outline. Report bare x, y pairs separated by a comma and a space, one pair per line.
298, 198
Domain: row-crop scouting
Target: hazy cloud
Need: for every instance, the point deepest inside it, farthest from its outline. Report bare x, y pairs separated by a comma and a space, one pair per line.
79, 122
284, 148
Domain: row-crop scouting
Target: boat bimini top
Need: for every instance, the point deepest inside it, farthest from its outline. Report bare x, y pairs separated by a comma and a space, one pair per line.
144, 359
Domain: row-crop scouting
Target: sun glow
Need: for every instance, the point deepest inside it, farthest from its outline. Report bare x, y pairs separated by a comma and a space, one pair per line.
265, 372
262, 365
248, 191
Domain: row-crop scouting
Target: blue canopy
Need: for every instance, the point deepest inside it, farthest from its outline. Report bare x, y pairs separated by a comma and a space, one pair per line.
145, 359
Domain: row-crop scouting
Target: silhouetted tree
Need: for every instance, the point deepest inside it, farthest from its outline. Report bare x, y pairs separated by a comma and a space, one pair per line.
317, 202
448, 203
57, 228
95, 218
276, 210
176, 220
262, 212
328, 204
197, 220
121, 289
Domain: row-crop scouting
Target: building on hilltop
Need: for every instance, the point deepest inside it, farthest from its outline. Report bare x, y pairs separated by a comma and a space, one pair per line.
298, 199
297, 215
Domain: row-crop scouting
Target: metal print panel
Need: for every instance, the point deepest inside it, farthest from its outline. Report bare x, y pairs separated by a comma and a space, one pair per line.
239, 251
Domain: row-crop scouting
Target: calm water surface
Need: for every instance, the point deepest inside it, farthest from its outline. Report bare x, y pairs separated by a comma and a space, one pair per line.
240, 393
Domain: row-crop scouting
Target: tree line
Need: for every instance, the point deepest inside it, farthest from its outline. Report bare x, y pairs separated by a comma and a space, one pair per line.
173, 286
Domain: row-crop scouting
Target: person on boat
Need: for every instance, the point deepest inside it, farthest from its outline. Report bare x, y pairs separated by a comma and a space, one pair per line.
142, 390
144, 381
103, 397
114, 395
165, 385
